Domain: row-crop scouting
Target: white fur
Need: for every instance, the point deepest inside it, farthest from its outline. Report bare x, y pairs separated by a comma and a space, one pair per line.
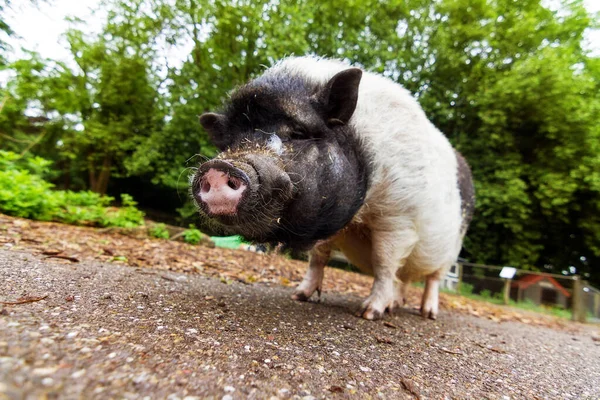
413, 208
275, 144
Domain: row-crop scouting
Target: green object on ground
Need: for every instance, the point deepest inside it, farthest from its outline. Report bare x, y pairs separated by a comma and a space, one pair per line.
228, 242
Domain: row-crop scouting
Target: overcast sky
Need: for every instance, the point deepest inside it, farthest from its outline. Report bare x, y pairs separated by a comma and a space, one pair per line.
40, 28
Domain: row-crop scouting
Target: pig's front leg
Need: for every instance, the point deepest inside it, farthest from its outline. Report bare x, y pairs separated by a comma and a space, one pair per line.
430, 301
313, 280
390, 250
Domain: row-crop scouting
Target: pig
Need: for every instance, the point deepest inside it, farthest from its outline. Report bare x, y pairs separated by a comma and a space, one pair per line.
320, 155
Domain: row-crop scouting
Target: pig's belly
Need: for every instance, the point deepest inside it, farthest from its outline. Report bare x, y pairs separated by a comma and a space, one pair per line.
355, 242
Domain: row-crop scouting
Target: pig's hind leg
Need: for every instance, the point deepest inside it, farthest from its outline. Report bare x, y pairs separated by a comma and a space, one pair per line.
390, 251
401, 293
430, 299
313, 279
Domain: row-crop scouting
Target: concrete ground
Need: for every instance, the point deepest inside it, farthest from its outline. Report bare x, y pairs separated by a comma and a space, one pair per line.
112, 331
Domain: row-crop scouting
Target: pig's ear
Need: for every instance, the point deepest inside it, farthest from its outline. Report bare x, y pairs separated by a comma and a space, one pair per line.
214, 125
341, 94
211, 121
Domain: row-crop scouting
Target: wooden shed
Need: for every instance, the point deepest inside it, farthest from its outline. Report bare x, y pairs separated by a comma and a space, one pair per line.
540, 289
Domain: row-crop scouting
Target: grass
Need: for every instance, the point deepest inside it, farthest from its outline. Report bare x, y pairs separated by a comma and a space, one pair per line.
466, 290
531, 306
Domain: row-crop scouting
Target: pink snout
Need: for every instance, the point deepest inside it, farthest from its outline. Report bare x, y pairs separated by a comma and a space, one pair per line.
221, 192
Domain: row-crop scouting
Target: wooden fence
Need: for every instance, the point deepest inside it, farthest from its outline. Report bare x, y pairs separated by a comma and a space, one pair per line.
568, 291
574, 293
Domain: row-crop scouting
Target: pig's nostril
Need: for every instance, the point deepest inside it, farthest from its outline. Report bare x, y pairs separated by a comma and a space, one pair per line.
205, 187
233, 183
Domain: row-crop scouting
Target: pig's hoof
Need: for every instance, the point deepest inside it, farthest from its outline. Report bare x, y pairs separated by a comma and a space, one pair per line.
301, 296
430, 313
370, 314
373, 310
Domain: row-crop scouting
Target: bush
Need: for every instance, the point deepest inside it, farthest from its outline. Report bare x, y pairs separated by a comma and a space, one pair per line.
25, 193
192, 235
498, 296
27, 196
126, 216
159, 231
465, 288
33, 164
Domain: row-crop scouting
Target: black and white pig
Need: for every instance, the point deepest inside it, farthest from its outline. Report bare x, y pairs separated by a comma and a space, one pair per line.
319, 155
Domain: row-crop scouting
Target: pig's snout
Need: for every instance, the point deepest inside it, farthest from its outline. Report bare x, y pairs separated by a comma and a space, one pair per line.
221, 187
221, 192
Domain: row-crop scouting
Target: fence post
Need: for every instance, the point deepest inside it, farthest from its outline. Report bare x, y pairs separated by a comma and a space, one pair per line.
578, 306
460, 276
507, 290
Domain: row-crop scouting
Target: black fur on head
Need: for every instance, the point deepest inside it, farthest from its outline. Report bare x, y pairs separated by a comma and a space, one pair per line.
311, 172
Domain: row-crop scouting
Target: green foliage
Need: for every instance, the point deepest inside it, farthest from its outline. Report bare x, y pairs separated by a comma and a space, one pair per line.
159, 231
90, 119
25, 194
192, 235
36, 165
465, 289
89, 208
499, 297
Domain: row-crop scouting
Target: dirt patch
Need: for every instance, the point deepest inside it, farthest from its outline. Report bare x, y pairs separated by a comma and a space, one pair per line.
101, 330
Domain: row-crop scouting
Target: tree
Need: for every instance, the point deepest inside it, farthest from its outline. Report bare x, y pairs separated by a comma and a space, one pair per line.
99, 111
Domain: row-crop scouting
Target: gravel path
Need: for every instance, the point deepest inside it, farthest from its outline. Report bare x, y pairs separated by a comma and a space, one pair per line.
111, 331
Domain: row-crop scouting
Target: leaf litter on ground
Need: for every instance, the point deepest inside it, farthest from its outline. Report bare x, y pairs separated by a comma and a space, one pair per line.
136, 248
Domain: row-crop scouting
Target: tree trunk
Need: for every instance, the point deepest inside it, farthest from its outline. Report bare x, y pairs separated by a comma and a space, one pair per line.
104, 176
99, 181
92, 175
65, 167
